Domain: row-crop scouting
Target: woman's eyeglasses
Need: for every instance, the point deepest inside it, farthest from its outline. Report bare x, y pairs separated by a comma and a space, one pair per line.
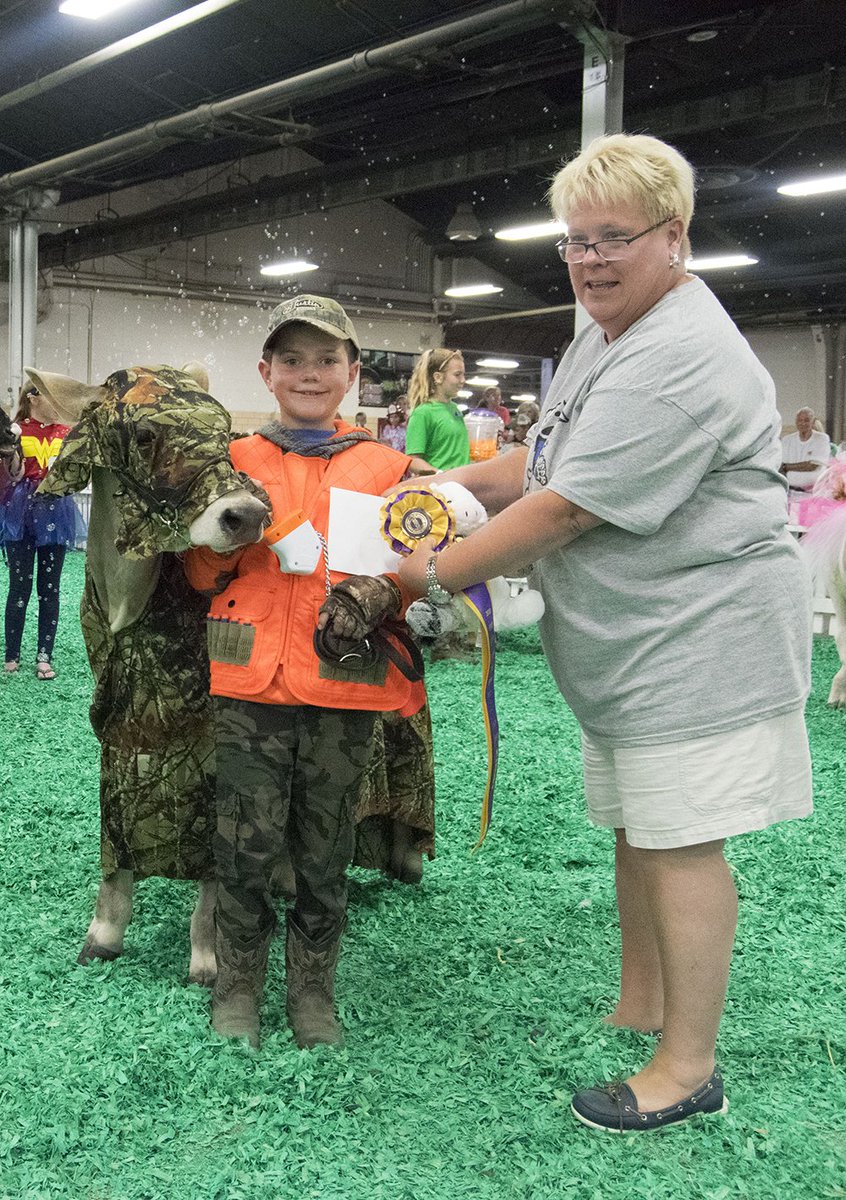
611, 249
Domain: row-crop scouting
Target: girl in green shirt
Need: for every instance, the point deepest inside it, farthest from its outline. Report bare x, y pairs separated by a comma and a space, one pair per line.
436, 429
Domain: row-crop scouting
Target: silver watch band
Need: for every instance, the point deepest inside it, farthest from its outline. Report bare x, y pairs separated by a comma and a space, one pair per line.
434, 591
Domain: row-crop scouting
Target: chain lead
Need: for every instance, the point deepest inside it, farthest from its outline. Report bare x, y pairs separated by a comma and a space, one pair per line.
322, 541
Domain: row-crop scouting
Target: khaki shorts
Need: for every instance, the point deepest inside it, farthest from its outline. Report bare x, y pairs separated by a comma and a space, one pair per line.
701, 790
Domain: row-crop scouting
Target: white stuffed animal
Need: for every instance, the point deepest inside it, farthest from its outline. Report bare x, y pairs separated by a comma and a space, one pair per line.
430, 620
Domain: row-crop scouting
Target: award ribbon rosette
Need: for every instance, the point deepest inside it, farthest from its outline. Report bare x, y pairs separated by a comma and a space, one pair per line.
415, 514
418, 513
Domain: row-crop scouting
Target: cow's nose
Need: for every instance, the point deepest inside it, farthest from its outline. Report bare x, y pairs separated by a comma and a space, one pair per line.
232, 520
241, 520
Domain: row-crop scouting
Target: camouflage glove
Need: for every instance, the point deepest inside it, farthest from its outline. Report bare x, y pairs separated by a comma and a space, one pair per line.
356, 606
10, 442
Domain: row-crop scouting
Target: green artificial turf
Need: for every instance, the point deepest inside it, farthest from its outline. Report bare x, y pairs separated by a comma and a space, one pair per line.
472, 1004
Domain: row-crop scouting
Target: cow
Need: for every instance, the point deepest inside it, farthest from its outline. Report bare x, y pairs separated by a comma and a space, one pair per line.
155, 447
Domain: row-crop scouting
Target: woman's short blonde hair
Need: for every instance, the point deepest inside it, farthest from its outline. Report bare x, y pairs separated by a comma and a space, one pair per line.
631, 169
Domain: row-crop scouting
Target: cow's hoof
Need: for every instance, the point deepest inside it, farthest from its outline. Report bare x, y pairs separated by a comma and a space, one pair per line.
92, 950
203, 976
408, 867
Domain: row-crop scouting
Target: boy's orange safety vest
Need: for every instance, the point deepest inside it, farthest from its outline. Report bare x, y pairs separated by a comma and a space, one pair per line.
266, 618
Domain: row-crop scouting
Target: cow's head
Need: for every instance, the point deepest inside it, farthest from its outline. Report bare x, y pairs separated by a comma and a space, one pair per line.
167, 441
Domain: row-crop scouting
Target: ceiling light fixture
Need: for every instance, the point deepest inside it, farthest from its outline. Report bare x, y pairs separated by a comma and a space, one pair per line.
719, 262
522, 233
473, 289
498, 364
526, 396
814, 187
296, 266
92, 10
482, 381
702, 35
464, 393
464, 226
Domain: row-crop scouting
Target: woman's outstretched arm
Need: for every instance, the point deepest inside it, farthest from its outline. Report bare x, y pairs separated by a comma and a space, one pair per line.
525, 531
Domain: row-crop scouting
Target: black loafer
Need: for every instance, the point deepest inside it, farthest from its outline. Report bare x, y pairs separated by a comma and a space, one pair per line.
613, 1107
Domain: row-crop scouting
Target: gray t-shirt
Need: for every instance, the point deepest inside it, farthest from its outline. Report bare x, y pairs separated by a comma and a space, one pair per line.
688, 613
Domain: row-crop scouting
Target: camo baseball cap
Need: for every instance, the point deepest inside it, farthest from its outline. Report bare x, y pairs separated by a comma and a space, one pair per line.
321, 312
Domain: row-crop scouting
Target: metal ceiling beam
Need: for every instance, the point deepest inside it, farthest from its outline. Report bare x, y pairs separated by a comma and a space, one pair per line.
321, 188
23, 284
602, 101
488, 24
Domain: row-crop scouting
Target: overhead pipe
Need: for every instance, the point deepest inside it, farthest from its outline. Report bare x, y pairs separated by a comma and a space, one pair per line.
332, 77
220, 294
512, 316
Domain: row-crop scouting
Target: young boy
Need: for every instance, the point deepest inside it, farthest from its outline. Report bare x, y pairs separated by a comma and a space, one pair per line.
294, 732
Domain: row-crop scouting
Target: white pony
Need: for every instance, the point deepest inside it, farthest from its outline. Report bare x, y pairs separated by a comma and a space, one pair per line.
824, 549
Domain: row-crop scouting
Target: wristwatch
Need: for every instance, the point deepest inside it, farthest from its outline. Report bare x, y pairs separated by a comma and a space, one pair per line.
434, 591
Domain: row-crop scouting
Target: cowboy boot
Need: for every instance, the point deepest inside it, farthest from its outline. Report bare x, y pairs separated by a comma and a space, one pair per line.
238, 988
310, 970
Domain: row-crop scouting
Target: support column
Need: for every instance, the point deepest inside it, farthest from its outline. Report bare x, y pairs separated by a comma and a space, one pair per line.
23, 289
835, 381
602, 98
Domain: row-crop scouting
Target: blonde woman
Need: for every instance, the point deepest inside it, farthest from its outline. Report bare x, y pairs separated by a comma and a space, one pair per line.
677, 609
436, 429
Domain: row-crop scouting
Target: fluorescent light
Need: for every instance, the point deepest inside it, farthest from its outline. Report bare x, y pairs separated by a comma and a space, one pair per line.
720, 262
295, 266
814, 187
482, 381
464, 394
92, 10
522, 233
473, 289
524, 396
498, 364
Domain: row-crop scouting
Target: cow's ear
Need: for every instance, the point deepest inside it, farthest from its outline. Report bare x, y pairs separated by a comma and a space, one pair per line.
198, 373
68, 396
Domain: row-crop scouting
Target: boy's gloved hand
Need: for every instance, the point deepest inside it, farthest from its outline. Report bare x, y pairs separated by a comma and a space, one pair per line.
356, 606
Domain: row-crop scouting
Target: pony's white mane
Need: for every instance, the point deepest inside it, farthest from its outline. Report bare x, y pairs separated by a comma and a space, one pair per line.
824, 548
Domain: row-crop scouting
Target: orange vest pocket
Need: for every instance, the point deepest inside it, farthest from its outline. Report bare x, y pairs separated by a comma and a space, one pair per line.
243, 629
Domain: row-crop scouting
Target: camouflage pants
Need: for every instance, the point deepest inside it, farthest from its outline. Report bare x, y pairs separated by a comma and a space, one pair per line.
286, 776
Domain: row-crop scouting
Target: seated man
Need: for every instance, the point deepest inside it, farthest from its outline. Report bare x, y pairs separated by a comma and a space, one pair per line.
805, 454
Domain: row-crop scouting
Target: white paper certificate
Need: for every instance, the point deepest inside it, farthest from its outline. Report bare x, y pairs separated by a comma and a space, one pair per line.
356, 545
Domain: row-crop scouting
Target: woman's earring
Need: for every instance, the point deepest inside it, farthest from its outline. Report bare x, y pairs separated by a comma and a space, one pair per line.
674, 260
